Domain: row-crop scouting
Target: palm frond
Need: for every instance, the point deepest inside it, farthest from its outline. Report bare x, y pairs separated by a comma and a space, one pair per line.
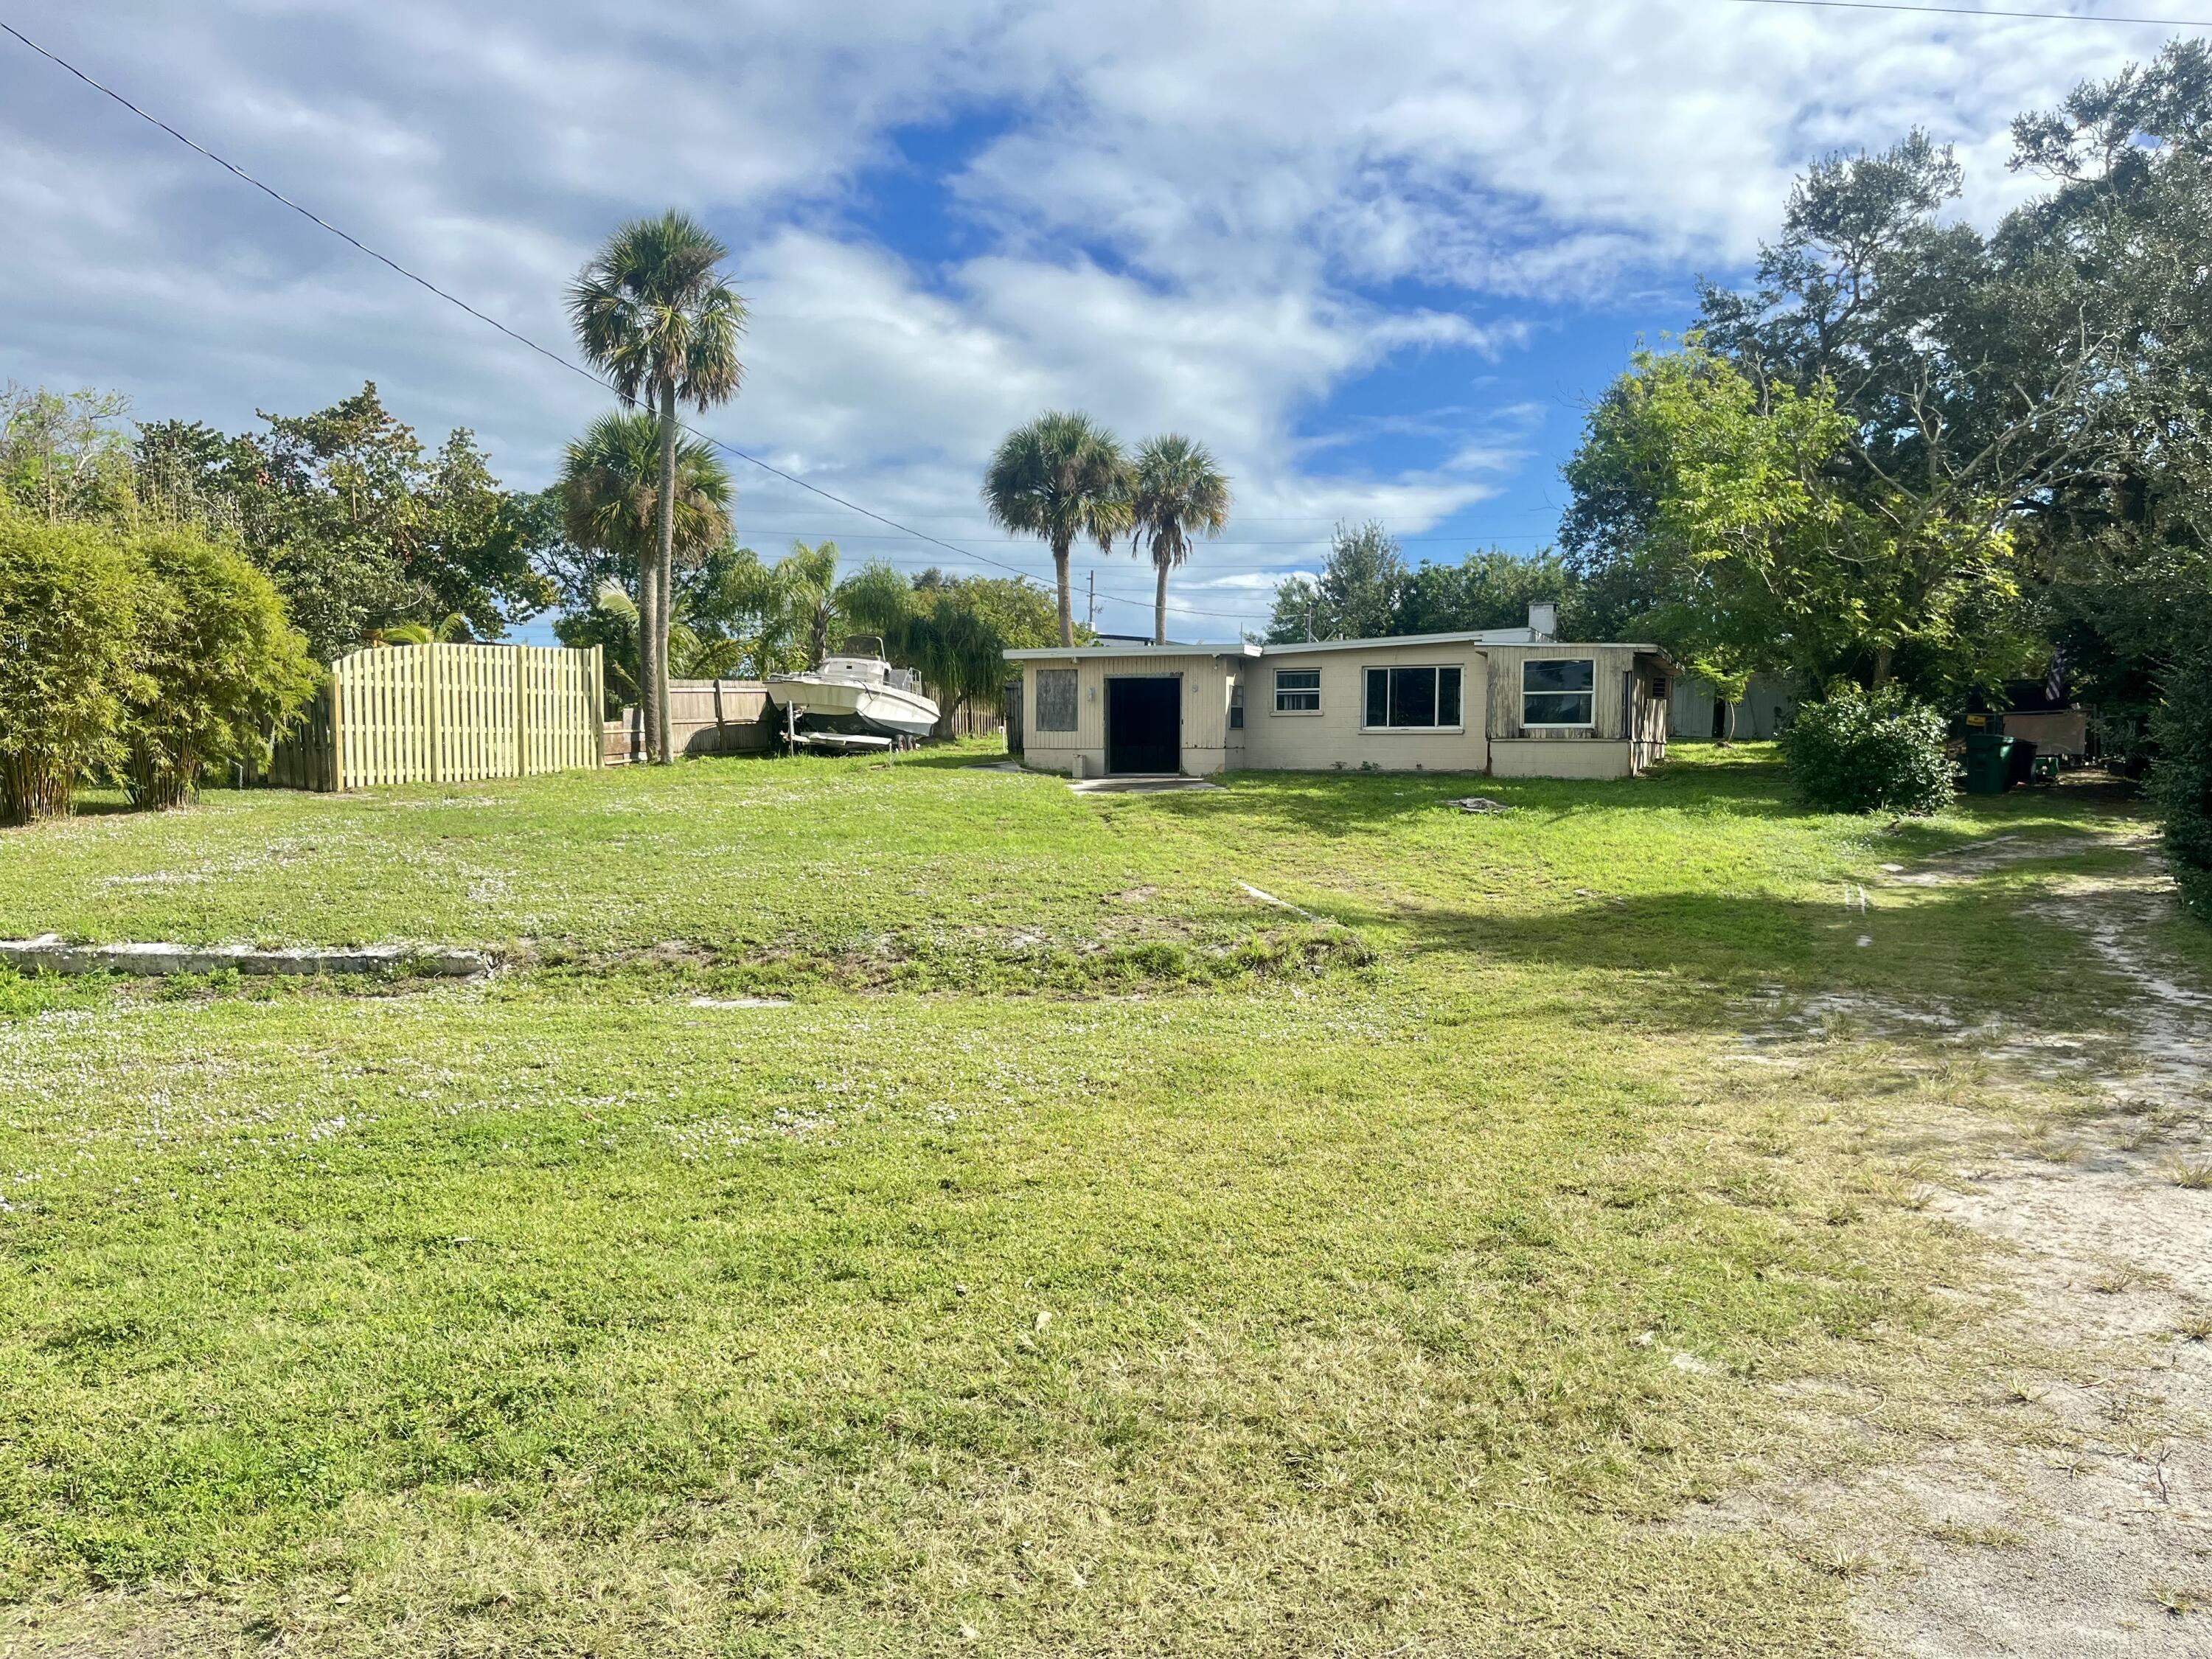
1177, 492
651, 311
1061, 477
610, 597
609, 490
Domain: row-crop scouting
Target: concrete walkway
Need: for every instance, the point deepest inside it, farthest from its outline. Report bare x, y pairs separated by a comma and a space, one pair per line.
1162, 786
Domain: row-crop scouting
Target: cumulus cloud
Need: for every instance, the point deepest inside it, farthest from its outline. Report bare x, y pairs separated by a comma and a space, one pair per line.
1216, 216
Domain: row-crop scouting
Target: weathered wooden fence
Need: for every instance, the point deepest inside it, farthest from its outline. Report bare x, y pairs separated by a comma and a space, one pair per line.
976, 720
735, 717
705, 717
447, 714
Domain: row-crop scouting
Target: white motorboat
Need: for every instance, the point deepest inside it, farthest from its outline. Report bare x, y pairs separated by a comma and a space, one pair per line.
855, 691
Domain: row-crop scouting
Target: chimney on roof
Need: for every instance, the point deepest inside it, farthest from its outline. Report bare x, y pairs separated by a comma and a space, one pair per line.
1544, 620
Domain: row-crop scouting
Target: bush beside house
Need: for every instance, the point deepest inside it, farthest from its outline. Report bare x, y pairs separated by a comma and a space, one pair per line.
1862, 752
69, 601
145, 659
221, 667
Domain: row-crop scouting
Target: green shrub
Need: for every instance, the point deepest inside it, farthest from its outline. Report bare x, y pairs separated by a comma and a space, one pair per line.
223, 666
1862, 752
69, 616
2180, 786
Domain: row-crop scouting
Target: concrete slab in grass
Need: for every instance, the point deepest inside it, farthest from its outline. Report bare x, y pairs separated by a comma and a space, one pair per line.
50, 953
1141, 786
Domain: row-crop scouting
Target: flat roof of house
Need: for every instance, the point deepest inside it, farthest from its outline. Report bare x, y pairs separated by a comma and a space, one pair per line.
1394, 642
1046, 654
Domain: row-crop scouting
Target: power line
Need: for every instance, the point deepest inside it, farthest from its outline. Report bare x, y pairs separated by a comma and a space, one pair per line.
1255, 518
1976, 11
834, 534
525, 340
1139, 599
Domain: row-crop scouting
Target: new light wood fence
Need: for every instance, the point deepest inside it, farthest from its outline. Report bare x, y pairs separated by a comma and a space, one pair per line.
447, 714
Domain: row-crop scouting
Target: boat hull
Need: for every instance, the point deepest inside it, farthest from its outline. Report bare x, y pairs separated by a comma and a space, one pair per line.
843, 706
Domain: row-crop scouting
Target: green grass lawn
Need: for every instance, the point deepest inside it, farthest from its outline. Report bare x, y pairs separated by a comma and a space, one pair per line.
1092, 1259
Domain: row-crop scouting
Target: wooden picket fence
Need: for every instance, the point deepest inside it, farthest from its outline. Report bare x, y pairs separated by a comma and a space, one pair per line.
447, 714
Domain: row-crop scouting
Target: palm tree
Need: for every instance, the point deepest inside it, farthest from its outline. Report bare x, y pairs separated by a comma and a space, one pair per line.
611, 498
807, 577
1061, 476
1176, 492
453, 630
692, 655
651, 311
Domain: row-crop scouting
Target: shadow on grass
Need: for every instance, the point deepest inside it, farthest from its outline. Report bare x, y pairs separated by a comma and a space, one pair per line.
1349, 802
958, 760
1333, 804
1969, 951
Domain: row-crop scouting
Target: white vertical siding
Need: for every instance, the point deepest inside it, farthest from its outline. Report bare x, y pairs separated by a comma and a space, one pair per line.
1205, 679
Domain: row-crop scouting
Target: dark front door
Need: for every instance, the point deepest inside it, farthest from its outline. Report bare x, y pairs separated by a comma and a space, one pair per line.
1144, 724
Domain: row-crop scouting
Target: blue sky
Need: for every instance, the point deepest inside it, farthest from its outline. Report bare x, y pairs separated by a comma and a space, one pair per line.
1380, 257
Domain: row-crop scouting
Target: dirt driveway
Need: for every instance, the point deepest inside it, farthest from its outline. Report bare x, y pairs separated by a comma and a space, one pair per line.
2081, 1526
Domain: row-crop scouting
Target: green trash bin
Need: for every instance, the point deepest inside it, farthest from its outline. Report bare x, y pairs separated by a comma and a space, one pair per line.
1989, 762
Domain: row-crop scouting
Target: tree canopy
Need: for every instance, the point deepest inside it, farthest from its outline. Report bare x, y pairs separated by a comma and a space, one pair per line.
359, 524
1366, 590
1755, 548
2002, 443
2019, 419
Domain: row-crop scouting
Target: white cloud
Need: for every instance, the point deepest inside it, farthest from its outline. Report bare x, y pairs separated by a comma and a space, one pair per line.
1212, 214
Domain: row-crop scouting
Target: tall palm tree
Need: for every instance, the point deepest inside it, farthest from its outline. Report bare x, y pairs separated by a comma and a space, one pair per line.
611, 498
1175, 492
1061, 477
652, 312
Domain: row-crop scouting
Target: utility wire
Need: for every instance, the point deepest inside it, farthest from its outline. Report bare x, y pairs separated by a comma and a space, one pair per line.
833, 534
1978, 11
916, 562
549, 355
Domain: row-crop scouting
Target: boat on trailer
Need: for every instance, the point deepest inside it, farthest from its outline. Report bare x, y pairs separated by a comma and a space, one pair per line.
855, 694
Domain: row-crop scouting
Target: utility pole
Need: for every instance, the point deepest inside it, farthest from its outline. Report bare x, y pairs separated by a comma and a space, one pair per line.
1091, 615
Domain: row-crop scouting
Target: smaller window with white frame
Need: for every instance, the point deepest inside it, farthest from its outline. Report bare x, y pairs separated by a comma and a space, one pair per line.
1423, 699
1297, 691
1558, 691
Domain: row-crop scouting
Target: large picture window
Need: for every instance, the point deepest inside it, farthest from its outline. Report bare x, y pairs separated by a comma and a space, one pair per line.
1558, 691
1412, 699
1297, 691
1055, 700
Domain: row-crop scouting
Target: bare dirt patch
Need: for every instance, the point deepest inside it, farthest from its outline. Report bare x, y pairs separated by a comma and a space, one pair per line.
2065, 1511
1981, 858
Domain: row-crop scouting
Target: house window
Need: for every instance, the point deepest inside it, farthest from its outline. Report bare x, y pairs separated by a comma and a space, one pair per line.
1297, 691
1558, 691
1236, 705
1412, 699
1055, 700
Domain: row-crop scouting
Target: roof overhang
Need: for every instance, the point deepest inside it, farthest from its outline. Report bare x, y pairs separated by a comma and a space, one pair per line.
1097, 653
1388, 642
1517, 638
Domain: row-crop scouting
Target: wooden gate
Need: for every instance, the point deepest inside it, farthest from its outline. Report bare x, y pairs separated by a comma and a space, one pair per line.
447, 714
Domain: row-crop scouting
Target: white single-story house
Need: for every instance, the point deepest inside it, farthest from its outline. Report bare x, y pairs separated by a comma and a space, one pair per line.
1512, 702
